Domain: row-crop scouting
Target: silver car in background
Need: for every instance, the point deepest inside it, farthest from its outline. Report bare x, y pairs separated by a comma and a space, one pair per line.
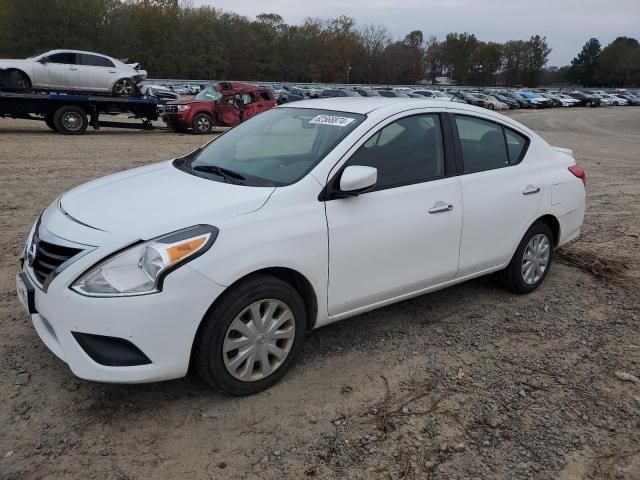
72, 70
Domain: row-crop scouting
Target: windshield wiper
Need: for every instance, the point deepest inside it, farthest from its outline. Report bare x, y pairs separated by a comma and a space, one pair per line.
228, 175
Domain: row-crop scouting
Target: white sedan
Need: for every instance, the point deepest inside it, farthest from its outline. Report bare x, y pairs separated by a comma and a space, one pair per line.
304, 215
72, 70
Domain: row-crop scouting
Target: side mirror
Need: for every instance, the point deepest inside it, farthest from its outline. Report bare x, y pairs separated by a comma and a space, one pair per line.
358, 179
44, 60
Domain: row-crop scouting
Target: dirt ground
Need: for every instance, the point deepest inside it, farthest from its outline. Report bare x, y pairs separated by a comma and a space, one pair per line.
467, 383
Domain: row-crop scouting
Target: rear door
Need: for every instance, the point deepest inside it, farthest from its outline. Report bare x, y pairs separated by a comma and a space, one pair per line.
500, 188
95, 72
404, 234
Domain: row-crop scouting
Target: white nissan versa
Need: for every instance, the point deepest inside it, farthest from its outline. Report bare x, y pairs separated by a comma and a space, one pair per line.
304, 215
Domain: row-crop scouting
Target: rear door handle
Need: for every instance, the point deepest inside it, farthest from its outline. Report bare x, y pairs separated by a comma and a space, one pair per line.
439, 207
73, 68
113, 71
531, 190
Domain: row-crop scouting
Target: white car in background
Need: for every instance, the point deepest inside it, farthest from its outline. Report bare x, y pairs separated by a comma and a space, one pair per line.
615, 100
223, 259
568, 99
72, 70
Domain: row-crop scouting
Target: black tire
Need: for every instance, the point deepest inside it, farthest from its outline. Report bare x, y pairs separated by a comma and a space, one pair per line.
124, 87
70, 120
202, 124
491, 106
208, 349
48, 120
19, 80
512, 277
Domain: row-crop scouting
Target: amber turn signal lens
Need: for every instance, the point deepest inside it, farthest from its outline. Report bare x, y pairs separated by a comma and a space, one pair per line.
181, 250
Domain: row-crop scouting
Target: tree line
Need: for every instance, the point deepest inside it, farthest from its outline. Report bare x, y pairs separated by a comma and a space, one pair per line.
173, 39
616, 65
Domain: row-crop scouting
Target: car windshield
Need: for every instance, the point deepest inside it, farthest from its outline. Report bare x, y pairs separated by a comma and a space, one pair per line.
275, 148
210, 93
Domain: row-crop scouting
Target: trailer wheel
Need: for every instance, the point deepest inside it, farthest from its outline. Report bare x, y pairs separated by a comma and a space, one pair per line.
70, 120
48, 120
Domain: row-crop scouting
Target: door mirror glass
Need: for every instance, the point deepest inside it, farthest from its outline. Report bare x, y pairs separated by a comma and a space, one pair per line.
44, 60
357, 178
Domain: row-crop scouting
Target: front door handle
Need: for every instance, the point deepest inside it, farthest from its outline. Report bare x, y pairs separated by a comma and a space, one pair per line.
113, 71
73, 68
439, 207
531, 190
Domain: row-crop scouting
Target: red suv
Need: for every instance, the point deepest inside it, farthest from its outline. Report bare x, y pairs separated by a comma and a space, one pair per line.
223, 104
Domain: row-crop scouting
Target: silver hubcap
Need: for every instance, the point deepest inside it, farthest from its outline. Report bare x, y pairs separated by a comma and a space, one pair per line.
535, 258
123, 86
203, 124
259, 340
71, 121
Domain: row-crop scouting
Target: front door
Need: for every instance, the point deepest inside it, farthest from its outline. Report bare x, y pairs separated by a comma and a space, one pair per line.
57, 71
404, 235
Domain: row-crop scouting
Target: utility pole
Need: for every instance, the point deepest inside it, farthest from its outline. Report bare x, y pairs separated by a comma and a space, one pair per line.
348, 71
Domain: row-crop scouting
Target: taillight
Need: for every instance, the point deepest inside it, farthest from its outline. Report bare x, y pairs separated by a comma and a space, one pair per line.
579, 172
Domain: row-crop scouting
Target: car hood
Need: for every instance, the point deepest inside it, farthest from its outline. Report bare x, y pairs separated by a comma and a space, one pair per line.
157, 199
7, 62
189, 101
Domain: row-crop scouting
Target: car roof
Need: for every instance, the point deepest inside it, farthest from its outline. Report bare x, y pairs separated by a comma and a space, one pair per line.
366, 105
65, 50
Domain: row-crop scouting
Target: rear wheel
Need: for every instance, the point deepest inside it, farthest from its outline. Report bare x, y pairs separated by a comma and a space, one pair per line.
70, 120
124, 86
19, 80
531, 262
252, 336
202, 124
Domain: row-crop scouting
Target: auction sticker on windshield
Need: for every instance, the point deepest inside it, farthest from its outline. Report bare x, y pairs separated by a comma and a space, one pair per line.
332, 120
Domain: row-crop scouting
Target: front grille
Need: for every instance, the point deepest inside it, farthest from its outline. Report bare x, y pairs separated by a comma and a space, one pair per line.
45, 257
171, 109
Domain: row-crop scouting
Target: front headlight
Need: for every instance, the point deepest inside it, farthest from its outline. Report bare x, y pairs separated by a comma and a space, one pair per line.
141, 268
183, 108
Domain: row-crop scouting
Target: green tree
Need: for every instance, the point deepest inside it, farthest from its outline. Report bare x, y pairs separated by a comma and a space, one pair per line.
583, 66
618, 64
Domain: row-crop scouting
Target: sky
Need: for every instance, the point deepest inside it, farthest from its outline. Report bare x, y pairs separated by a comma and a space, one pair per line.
567, 24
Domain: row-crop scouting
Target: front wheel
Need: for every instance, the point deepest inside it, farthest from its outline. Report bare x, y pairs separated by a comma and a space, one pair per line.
202, 124
252, 336
531, 261
19, 80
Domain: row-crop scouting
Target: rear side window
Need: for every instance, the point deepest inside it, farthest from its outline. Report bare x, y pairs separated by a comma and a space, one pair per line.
265, 96
95, 61
67, 58
487, 145
516, 144
404, 152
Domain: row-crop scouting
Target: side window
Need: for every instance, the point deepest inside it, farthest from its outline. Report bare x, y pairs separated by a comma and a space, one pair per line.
95, 61
67, 58
516, 144
406, 151
483, 144
265, 95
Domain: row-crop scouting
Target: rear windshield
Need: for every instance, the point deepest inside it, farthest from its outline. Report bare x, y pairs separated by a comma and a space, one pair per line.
275, 148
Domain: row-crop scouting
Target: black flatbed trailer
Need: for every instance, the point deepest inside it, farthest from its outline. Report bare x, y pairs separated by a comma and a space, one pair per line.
71, 112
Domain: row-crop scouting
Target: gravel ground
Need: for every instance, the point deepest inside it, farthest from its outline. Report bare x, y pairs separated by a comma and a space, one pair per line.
467, 383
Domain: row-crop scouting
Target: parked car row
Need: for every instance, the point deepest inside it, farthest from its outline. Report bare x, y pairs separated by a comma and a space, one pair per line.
490, 98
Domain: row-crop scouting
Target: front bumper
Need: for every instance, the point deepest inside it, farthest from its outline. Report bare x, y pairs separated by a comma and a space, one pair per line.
162, 326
